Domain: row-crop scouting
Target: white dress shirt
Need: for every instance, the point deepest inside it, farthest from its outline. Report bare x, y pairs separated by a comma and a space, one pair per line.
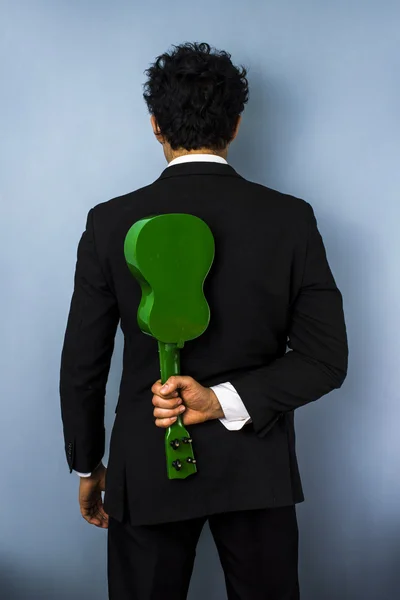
236, 415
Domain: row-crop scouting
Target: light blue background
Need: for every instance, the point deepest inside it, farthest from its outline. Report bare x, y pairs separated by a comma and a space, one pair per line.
322, 124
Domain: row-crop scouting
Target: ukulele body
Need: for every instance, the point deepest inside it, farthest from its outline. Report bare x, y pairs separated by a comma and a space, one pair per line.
170, 256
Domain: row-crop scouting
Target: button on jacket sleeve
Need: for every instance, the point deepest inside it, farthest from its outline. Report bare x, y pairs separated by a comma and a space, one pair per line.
316, 361
86, 356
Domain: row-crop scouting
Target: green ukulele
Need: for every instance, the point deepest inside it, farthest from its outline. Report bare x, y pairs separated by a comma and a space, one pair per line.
170, 255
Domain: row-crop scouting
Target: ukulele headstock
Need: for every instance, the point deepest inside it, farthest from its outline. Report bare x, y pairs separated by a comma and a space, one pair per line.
179, 452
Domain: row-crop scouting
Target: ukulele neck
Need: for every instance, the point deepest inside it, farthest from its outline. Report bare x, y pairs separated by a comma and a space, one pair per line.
169, 360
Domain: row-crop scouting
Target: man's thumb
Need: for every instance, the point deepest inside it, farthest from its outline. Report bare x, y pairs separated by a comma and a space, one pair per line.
175, 382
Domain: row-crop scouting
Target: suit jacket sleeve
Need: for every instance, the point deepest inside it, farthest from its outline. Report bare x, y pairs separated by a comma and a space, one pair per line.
317, 359
86, 356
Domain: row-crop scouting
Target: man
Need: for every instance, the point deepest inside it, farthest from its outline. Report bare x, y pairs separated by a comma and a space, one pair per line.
276, 341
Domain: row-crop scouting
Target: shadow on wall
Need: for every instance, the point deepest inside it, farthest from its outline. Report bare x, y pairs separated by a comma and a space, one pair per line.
25, 584
271, 120
349, 523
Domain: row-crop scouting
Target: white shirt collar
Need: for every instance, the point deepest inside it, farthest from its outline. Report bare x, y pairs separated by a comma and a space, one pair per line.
197, 158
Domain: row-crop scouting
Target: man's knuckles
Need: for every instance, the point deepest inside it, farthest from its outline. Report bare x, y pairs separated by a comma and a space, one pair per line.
167, 413
170, 387
156, 389
178, 381
164, 423
166, 402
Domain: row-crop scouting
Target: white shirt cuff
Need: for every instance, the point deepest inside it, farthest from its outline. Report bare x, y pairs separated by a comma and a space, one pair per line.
86, 474
236, 415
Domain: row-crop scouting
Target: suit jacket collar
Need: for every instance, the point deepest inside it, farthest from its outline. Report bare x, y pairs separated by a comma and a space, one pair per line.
199, 168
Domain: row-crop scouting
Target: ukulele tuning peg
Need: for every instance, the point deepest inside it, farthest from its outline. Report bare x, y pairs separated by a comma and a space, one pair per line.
191, 460
174, 444
187, 440
177, 464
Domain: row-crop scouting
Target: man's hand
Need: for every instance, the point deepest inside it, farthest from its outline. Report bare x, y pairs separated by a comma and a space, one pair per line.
185, 396
90, 499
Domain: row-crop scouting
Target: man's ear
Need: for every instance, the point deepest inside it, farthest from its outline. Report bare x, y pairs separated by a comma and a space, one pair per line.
235, 131
156, 129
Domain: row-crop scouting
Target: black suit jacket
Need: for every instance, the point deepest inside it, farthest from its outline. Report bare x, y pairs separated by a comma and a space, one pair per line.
277, 333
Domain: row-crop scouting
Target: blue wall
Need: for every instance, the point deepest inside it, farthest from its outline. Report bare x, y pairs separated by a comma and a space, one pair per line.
323, 124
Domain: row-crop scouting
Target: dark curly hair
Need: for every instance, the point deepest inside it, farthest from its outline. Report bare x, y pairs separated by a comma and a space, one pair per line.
196, 95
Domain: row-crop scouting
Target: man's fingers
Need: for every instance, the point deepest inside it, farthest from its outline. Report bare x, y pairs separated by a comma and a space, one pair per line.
167, 413
92, 509
164, 423
174, 383
165, 403
101, 512
97, 521
95, 517
102, 519
156, 389
170, 387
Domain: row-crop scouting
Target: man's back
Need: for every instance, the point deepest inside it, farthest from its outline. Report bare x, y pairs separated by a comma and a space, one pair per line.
269, 266
276, 341
259, 234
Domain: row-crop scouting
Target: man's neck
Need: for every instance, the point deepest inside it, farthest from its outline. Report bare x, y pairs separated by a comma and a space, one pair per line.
177, 153
196, 157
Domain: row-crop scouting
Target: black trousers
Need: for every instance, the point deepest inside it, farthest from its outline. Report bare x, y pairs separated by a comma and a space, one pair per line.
258, 550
